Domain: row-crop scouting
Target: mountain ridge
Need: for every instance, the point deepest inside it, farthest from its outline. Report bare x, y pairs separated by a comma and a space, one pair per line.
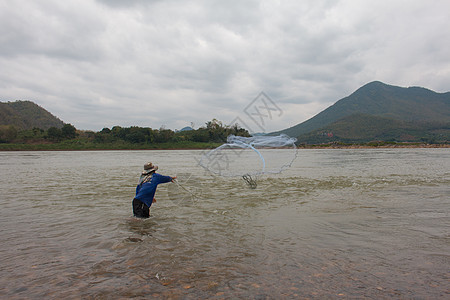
24, 114
412, 104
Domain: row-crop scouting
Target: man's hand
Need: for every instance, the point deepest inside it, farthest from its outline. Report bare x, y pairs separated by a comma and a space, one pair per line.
154, 200
173, 178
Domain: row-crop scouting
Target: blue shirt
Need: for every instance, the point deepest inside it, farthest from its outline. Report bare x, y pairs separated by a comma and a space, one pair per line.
145, 192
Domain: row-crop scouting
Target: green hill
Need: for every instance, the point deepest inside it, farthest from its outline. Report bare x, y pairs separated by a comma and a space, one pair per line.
27, 115
379, 111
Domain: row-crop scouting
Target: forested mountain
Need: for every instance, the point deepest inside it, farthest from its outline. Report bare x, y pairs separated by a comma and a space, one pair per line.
27, 115
379, 111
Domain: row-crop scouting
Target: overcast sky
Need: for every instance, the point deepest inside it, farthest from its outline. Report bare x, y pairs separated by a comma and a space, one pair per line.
103, 63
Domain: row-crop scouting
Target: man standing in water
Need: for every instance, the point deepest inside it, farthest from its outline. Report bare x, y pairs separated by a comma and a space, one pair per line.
146, 188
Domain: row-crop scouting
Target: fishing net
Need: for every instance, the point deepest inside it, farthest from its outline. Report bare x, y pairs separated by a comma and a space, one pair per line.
251, 182
183, 191
249, 157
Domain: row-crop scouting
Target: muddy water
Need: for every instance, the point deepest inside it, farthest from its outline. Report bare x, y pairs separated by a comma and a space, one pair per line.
338, 223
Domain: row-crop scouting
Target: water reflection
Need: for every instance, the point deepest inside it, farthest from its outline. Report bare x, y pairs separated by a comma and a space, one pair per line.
140, 227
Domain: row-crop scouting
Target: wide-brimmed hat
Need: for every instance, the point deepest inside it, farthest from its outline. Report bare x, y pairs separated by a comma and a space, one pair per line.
149, 167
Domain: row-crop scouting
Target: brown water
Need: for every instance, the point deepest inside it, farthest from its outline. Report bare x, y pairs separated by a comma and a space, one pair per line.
337, 224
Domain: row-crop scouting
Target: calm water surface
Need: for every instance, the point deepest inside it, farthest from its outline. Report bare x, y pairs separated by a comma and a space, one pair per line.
370, 223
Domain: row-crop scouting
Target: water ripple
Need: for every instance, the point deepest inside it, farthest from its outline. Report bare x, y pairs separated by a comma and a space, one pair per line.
353, 224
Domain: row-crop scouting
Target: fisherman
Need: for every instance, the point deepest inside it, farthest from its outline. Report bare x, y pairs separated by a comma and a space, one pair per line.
146, 188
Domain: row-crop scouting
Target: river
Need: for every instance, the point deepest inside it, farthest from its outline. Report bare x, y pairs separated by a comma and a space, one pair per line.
338, 223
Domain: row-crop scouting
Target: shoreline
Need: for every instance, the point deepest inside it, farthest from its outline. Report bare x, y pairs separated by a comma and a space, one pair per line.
398, 146
56, 147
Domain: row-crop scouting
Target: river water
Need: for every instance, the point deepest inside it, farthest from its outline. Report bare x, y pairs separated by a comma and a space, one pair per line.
366, 223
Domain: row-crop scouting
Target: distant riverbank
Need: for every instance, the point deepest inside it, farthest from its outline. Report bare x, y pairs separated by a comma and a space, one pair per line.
80, 146
373, 145
187, 145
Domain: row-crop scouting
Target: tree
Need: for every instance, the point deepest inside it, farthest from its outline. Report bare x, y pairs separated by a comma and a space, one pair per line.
37, 132
163, 135
135, 134
150, 135
55, 134
105, 130
200, 135
135, 137
68, 131
118, 132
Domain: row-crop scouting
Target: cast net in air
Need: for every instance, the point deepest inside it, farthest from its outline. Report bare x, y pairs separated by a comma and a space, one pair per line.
250, 157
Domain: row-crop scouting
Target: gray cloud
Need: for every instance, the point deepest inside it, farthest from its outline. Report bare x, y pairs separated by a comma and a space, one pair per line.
152, 63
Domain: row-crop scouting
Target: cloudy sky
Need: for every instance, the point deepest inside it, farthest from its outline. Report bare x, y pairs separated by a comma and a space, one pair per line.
153, 63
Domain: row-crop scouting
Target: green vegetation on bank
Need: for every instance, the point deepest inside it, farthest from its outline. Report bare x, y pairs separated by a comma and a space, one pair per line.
373, 144
363, 128
211, 135
79, 145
